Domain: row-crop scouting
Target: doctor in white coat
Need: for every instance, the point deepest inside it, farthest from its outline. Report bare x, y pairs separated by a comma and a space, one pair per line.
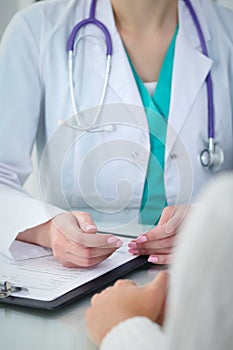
99, 175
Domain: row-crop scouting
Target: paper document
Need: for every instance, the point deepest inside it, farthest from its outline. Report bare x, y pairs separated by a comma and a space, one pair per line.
46, 279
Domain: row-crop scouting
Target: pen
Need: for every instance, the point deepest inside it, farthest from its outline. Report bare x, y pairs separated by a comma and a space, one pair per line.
119, 234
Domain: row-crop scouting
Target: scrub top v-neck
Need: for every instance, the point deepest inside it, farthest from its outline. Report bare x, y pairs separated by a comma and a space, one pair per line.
157, 110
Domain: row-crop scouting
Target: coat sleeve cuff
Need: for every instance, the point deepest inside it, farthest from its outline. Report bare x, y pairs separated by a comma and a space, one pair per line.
138, 333
18, 213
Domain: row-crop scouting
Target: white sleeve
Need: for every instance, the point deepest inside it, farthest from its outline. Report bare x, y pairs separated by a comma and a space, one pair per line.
199, 313
20, 108
138, 333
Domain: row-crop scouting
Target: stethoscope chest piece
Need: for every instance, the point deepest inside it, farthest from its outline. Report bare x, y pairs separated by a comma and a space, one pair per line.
212, 158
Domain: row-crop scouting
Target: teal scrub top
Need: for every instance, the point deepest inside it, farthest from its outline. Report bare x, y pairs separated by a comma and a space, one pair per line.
157, 110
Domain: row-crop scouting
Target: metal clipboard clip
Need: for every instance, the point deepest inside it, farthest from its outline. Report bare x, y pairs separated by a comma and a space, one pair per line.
6, 289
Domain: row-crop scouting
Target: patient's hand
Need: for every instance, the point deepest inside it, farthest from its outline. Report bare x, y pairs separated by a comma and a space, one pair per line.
125, 300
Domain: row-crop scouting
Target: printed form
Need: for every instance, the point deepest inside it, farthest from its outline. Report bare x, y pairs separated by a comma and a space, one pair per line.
46, 279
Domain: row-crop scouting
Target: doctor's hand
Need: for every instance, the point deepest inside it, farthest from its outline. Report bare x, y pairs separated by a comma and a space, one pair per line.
159, 242
73, 240
125, 300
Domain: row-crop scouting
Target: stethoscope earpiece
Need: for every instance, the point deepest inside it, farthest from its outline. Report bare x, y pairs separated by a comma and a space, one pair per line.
101, 128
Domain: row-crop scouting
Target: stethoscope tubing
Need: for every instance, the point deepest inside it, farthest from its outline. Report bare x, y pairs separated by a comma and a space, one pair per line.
97, 23
209, 84
215, 158
109, 50
91, 20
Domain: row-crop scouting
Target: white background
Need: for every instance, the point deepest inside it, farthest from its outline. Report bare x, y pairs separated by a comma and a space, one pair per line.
7, 10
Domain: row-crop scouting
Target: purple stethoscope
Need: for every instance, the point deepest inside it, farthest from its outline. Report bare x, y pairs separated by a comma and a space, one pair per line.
212, 157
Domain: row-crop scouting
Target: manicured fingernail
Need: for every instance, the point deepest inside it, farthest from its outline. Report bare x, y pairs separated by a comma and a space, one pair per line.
134, 251
141, 239
153, 259
119, 244
132, 245
116, 241
89, 227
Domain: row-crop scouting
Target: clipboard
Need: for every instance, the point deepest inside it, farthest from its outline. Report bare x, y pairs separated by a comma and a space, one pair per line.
13, 293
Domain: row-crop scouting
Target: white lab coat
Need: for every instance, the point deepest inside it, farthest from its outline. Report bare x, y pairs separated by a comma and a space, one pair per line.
103, 172
199, 306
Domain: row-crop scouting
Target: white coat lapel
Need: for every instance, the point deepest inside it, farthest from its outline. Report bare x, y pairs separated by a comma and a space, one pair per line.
189, 70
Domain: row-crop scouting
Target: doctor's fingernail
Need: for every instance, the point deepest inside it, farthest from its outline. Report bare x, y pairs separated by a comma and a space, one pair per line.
153, 259
116, 241
141, 239
89, 227
132, 245
134, 251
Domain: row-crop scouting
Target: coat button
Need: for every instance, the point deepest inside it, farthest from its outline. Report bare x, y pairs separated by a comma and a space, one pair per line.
135, 155
173, 156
